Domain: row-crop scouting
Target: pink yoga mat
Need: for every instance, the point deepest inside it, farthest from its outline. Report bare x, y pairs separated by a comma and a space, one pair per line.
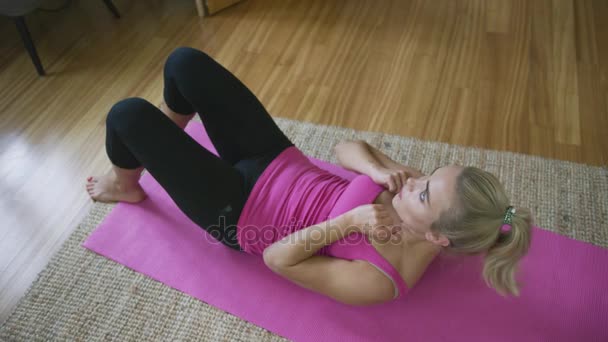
564, 296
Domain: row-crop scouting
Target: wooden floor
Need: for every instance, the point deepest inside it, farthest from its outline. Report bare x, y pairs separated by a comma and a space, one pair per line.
524, 76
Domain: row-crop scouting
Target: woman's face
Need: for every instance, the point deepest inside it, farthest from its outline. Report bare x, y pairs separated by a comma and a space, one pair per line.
422, 200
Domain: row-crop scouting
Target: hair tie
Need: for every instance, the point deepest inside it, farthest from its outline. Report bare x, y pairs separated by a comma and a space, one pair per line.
508, 220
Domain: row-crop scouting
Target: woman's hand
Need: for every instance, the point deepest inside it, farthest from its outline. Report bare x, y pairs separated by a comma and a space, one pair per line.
393, 178
373, 220
359, 156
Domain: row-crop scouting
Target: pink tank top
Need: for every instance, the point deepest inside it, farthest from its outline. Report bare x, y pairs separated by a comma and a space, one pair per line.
292, 193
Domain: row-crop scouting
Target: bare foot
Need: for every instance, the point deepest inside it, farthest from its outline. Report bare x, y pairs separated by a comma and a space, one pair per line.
107, 189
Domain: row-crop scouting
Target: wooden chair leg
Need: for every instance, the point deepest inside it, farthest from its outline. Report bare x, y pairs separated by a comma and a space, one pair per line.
29, 43
112, 8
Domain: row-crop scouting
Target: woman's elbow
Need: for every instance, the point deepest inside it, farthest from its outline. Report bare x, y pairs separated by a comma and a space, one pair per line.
272, 260
269, 259
346, 145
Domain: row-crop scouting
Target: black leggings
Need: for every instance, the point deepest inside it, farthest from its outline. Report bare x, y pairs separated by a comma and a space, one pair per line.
211, 191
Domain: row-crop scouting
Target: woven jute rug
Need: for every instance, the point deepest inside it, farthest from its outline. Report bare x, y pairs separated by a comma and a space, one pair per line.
81, 296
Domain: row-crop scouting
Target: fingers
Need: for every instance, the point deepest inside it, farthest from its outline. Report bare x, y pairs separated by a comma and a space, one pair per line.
385, 232
371, 218
397, 180
381, 216
379, 208
376, 214
392, 186
404, 176
394, 182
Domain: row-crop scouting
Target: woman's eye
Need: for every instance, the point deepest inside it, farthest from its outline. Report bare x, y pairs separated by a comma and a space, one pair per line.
422, 196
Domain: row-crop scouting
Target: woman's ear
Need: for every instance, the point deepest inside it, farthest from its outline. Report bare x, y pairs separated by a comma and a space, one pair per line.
438, 239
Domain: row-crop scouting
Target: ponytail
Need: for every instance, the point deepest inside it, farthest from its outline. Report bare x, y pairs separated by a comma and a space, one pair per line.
473, 226
501, 260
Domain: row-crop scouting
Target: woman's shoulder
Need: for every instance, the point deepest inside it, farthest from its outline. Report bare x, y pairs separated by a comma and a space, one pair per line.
410, 260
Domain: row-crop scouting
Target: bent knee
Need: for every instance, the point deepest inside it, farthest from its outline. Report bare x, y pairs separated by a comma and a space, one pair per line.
127, 113
184, 56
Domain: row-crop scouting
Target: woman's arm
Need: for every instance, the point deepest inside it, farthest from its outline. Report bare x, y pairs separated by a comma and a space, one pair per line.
370, 219
359, 156
352, 282
304, 243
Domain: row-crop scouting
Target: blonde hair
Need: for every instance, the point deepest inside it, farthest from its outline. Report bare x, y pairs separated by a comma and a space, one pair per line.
473, 226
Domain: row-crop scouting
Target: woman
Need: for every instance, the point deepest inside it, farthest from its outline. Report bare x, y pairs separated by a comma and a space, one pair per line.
359, 242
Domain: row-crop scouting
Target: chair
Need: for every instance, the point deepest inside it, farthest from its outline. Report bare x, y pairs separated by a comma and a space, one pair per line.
17, 9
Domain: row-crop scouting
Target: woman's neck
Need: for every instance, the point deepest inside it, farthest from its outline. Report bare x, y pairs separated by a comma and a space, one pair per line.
412, 239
